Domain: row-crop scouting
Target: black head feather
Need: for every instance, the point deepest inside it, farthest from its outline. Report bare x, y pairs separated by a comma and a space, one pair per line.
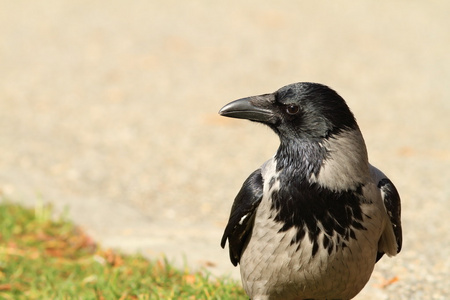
311, 110
301, 110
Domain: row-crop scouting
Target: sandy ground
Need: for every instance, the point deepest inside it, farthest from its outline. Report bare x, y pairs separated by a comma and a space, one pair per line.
109, 108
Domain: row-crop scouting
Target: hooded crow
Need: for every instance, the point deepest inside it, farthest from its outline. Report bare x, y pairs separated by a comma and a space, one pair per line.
314, 219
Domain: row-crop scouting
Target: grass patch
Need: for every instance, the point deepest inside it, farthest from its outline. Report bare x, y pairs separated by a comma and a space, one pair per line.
46, 258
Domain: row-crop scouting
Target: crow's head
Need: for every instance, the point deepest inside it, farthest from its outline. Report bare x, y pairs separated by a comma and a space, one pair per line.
297, 111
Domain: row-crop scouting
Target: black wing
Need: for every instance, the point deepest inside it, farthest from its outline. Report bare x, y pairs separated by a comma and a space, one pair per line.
242, 216
391, 200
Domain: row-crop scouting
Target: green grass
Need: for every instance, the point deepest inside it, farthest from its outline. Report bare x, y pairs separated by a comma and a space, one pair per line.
46, 258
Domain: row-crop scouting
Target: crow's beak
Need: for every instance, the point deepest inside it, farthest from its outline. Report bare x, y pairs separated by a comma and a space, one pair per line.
257, 108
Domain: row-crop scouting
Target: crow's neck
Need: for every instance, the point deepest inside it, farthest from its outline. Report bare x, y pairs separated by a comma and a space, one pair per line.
300, 158
307, 206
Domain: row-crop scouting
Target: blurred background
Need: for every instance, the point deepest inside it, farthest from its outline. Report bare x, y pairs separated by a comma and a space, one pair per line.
109, 109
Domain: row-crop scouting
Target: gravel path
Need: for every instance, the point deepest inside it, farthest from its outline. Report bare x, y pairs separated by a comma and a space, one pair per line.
110, 108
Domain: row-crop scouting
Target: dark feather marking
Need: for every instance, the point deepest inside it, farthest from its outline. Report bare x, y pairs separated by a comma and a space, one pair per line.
330, 248
339, 213
368, 217
391, 201
315, 248
346, 236
302, 204
325, 241
271, 182
299, 236
245, 204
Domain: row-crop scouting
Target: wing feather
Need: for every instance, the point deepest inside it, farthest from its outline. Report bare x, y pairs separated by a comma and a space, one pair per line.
242, 216
391, 200
392, 204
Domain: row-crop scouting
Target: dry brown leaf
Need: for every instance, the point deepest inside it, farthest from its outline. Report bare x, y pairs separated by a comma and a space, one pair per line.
388, 282
5, 287
189, 278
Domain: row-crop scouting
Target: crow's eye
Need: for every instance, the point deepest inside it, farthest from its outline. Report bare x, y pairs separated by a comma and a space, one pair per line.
292, 109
